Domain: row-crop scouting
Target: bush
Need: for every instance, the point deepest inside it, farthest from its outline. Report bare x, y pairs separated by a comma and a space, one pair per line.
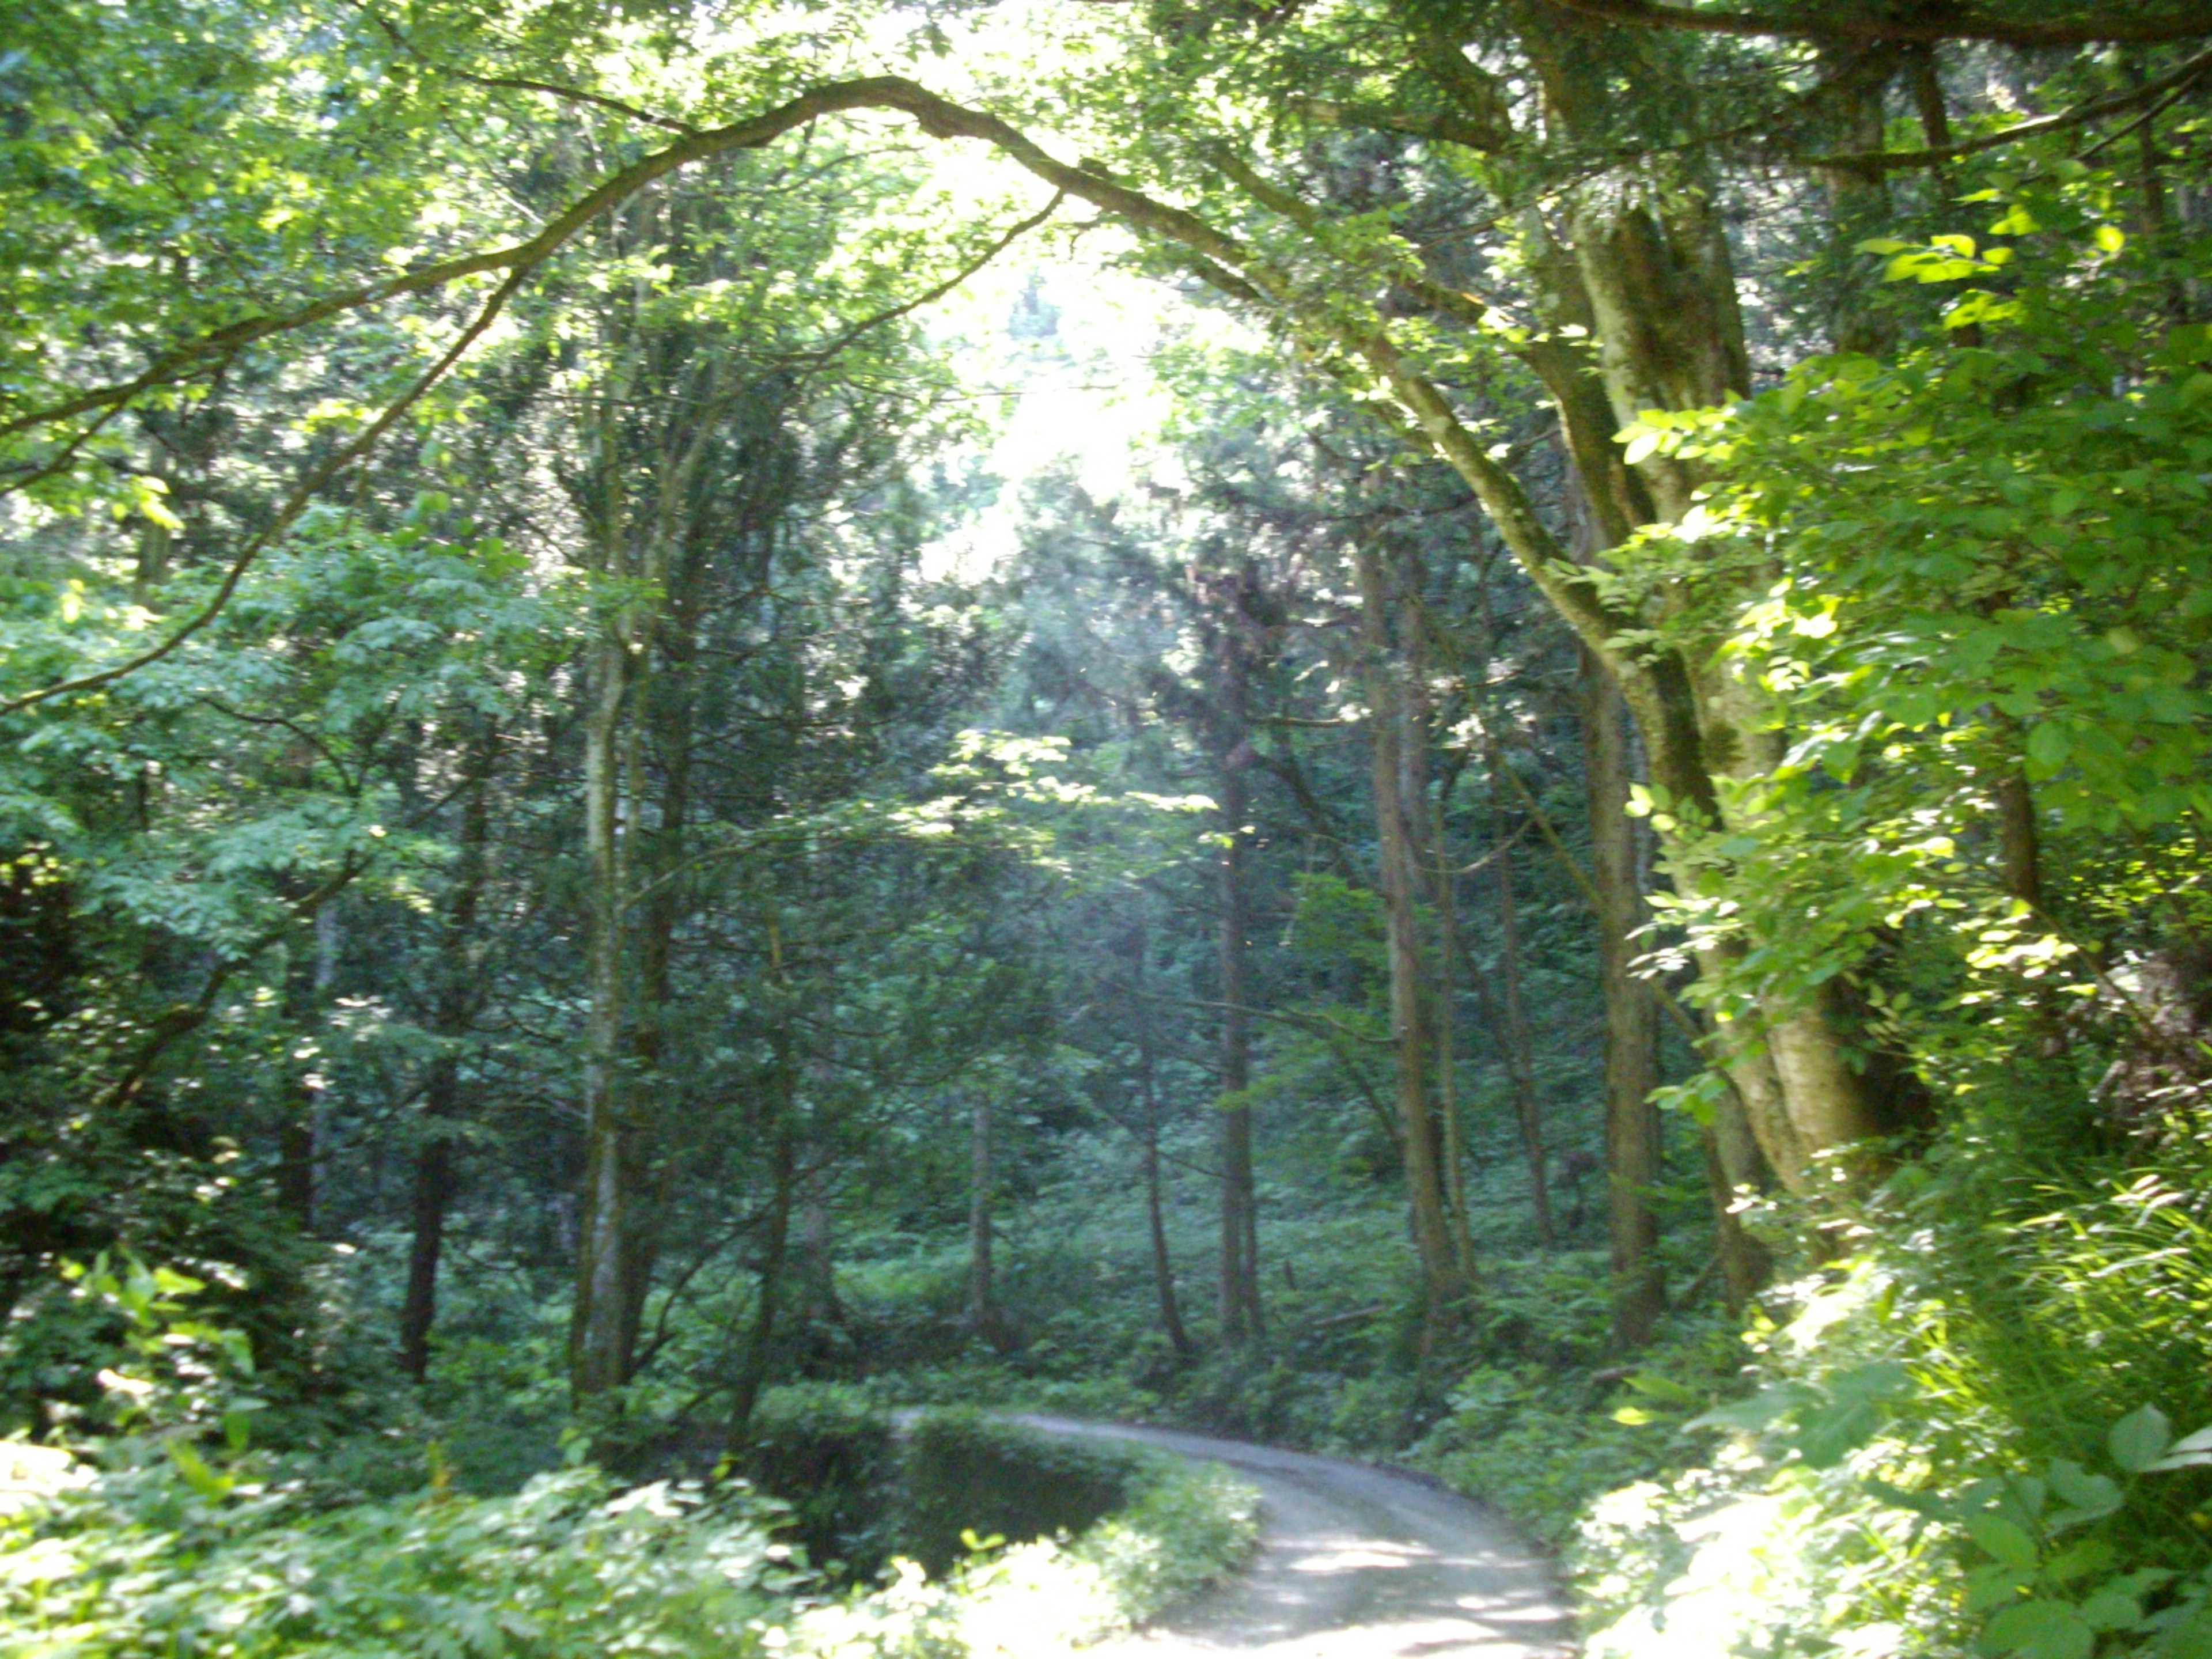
177, 1559
173, 1556
1188, 1525
1967, 1441
830, 1453
965, 1472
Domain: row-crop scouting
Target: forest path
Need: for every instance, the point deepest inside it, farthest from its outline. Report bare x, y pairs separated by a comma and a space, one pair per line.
1354, 1563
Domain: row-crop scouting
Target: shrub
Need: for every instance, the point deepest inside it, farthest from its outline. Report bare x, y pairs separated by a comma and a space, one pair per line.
965, 1472
830, 1453
175, 1559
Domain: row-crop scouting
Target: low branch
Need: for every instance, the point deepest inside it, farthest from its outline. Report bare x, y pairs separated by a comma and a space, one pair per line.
185, 1018
2164, 89
2120, 21
296, 503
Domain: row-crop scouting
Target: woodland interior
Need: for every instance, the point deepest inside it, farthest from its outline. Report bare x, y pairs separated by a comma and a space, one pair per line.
1475, 733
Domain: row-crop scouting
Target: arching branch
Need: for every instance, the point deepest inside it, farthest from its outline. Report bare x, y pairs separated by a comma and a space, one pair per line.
2165, 88
2113, 20
1220, 256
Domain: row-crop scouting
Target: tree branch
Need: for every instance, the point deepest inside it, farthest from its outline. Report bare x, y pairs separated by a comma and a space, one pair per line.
2151, 92
1932, 24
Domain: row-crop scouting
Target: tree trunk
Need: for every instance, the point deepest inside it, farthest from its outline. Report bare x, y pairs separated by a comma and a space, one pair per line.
1743, 1261
775, 1242
1241, 1315
662, 704
1155, 1208
1527, 1108
1454, 1150
1439, 887
2020, 849
982, 1317
303, 1153
1631, 1017
1443, 1286
598, 1357
1650, 272
458, 1000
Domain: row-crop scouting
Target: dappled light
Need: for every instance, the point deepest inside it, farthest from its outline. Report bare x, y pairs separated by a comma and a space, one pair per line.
1365, 827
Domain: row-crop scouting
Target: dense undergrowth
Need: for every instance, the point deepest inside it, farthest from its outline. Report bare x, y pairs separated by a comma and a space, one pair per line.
166, 1551
1966, 1425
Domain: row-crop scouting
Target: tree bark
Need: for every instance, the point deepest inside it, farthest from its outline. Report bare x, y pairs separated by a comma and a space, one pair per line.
458, 997
1449, 948
1241, 1311
1527, 1108
774, 1241
663, 706
1444, 1285
1439, 888
1155, 1208
2019, 848
982, 1316
599, 1358
303, 1137
1743, 1261
1632, 1142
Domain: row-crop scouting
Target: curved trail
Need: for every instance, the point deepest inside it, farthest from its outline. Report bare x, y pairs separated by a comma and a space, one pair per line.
1354, 1563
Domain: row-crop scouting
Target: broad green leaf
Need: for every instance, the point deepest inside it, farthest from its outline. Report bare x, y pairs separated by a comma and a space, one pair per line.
1761, 1411
2092, 1495
2040, 1630
2138, 1440
2048, 746
1827, 1437
2190, 1452
1664, 1388
2005, 1539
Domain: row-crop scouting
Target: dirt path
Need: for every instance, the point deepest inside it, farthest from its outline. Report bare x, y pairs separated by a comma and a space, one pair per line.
1354, 1563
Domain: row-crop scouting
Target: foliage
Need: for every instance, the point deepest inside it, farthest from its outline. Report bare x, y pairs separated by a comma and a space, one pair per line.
169, 1557
831, 1453
149, 1563
611, 874
1962, 1440
965, 1475
2020, 596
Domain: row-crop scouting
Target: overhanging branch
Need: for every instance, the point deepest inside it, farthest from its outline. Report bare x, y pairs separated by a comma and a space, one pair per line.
2119, 21
2165, 88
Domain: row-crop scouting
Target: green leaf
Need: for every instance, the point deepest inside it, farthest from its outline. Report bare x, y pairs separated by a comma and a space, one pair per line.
1920, 1502
2190, 1452
2091, 1555
2191, 1638
2048, 745
2140, 1439
1664, 1388
1880, 1379
2094, 1495
1760, 1412
1994, 1586
2040, 1630
198, 1475
2111, 1607
1828, 1436
2007, 1540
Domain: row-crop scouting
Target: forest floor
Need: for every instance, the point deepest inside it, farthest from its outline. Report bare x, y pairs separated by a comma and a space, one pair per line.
1354, 1560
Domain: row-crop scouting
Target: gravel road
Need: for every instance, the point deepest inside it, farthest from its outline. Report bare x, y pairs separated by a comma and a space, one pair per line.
1354, 1563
